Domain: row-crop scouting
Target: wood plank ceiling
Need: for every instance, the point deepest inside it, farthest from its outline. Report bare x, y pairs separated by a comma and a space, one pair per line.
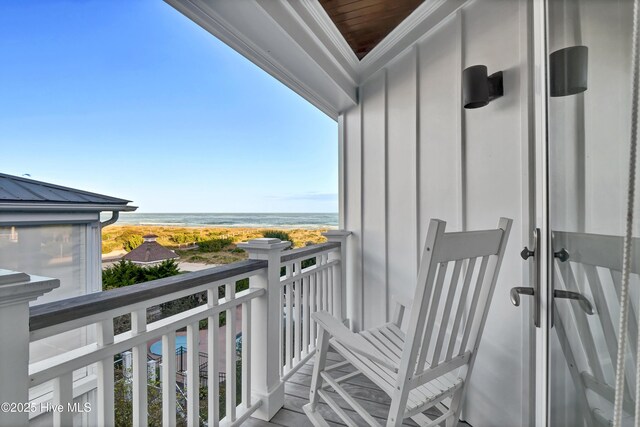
364, 23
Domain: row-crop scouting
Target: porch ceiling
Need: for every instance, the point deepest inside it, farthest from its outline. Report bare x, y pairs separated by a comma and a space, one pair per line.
364, 23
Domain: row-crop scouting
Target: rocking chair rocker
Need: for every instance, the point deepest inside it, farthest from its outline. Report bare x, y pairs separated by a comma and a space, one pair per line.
429, 365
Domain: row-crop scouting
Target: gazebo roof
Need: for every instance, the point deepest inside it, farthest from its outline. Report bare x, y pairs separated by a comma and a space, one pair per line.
149, 252
18, 193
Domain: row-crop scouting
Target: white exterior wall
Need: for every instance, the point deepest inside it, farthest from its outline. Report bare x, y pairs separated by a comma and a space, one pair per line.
412, 153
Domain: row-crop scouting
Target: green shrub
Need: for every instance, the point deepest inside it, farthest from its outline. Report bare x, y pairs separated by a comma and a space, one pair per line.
183, 238
213, 245
277, 234
132, 242
126, 273
307, 263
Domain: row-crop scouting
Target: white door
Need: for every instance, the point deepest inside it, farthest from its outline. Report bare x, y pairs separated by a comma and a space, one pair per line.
583, 51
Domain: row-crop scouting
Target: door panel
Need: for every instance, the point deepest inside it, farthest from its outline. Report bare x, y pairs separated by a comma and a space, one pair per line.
588, 139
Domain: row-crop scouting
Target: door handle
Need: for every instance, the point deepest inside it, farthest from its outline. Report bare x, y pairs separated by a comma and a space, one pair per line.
532, 291
517, 291
526, 253
582, 300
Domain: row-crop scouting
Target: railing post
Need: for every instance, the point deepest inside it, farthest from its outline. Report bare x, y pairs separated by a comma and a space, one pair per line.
266, 326
342, 300
16, 290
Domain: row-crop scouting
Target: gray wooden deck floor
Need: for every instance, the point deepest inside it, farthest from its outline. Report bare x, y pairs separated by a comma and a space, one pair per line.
297, 394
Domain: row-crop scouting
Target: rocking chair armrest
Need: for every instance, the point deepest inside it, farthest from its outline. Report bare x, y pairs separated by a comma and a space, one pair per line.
352, 341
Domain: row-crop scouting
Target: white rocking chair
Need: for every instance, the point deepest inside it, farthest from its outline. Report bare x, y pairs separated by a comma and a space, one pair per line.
428, 366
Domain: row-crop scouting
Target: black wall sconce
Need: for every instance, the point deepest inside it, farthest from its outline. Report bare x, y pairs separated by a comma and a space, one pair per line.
568, 71
478, 89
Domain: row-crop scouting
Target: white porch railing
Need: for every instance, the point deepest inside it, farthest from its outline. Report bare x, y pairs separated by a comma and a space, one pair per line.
277, 336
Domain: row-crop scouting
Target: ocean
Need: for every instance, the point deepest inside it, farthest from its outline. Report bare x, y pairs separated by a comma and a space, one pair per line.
272, 220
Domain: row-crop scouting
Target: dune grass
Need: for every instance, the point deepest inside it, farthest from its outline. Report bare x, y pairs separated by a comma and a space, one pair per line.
215, 245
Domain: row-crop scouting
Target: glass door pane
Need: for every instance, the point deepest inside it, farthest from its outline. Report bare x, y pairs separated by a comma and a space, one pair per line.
589, 115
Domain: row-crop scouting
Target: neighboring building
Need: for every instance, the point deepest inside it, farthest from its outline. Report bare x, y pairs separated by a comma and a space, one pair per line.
54, 231
150, 252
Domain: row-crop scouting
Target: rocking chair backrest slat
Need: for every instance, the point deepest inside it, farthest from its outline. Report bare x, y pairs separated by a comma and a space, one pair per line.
442, 291
594, 270
430, 326
461, 307
474, 303
446, 313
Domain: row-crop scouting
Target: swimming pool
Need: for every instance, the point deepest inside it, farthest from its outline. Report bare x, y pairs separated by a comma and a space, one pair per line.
181, 341
156, 347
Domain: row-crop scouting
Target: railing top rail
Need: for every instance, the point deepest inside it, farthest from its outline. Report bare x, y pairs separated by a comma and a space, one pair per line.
53, 313
308, 251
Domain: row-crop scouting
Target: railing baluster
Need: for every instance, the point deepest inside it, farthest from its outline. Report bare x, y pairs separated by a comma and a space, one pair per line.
63, 395
213, 386
305, 315
330, 290
281, 327
193, 375
289, 314
297, 323
168, 380
139, 325
312, 309
105, 375
246, 354
325, 287
230, 386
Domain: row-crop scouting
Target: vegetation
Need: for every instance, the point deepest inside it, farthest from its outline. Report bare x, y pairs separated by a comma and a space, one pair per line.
123, 405
200, 244
277, 234
214, 245
125, 273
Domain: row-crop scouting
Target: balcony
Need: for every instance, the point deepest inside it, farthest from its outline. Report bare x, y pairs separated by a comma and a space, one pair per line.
278, 339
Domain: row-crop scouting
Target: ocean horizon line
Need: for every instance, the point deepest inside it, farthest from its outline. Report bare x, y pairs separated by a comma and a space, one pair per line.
232, 220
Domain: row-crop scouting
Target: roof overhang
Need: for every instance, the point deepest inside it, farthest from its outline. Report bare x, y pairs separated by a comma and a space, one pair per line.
297, 43
62, 207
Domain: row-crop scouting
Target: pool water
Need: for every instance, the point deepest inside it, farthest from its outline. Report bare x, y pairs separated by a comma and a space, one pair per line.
156, 347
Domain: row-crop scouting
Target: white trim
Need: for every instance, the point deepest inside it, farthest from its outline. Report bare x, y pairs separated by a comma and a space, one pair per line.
324, 21
337, 74
542, 403
426, 17
205, 16
280, 17
39, 218
62, 207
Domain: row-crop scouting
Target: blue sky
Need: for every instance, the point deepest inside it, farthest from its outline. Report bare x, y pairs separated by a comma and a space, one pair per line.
133, 100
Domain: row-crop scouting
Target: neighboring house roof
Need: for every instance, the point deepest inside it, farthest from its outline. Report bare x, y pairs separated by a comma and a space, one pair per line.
148, 252
18, 193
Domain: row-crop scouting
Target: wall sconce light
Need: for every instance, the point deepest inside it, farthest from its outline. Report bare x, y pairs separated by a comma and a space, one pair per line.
568, 71
478, 89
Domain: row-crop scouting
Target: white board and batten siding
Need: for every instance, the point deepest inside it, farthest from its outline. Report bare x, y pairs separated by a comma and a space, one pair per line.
411, 153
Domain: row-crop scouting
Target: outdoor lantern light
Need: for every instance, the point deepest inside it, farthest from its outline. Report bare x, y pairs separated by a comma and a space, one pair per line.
478, 89
568, 71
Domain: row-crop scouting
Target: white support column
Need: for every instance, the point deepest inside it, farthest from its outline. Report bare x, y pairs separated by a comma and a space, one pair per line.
16, 290
266, 321
343, 300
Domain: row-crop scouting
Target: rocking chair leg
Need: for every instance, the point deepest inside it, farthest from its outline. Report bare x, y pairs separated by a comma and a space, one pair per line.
456, 407
319, 365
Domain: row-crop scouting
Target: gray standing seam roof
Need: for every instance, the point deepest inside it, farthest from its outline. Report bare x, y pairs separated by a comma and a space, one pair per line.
14, 189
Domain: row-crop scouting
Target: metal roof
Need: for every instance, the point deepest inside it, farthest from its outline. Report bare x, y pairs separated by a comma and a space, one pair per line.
149, 252
22, 193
